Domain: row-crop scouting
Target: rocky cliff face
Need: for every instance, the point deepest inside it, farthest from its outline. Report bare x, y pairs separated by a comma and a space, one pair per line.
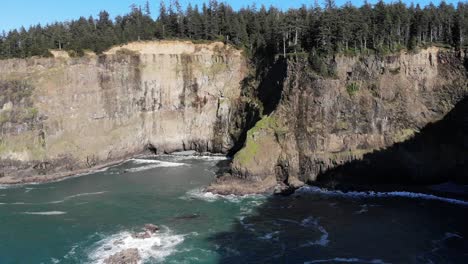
63, 114
326, 128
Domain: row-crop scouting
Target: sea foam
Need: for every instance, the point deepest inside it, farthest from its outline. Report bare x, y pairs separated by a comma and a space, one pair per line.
153, 164
76, 196
346, 260
45, 213
372, 194
313, 222
155, 248
200, 194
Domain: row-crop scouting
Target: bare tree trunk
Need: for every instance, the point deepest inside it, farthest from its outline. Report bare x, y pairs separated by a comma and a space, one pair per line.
284, 45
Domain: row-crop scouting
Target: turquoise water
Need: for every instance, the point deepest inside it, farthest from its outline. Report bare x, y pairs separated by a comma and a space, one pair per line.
86, 219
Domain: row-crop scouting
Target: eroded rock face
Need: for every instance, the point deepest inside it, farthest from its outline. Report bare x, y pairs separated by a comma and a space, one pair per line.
83, 112
321, 124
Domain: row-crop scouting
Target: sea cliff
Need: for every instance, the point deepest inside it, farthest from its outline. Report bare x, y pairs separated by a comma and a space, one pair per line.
65, 115
370, 120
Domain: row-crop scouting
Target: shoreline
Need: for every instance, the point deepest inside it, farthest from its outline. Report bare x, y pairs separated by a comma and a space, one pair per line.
59, 176
9, 181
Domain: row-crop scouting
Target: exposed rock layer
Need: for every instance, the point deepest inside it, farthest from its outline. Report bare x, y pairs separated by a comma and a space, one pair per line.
371, 104
62, 114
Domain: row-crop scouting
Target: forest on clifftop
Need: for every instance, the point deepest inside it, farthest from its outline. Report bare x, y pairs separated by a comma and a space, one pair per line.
318, 29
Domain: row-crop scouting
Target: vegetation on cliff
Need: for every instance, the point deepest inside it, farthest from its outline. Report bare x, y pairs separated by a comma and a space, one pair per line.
262, 32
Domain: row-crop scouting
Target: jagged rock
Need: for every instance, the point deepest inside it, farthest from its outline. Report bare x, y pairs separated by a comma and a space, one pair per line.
128, 256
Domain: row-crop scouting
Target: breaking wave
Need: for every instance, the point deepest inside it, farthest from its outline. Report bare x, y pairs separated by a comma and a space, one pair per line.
372, 194
45, 213
313, 222
197, 157
76, 196
153, 164
155, 248
200, 194
346, 260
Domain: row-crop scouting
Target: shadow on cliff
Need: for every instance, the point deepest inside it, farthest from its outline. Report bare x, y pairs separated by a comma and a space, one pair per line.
438, 153
271, 86
272, 74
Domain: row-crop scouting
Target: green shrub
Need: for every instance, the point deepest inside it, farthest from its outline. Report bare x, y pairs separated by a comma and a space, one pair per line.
321, 66
352, 88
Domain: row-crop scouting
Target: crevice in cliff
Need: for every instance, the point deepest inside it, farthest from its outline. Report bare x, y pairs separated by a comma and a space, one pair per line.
261, 95
436, 154
271, 85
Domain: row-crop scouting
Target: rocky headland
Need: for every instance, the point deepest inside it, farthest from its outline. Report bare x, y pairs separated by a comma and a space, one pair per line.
394, 119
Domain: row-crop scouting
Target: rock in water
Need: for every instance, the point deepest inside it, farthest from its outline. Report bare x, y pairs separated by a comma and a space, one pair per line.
142, 235
151, 228
128, 256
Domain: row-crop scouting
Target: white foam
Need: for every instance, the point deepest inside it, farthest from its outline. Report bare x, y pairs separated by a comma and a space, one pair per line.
153, 164
76, 196
269, 236
200, 194
364, 209
157, 247
313, 222
346, 260
29, 189
45, 213
72, 252
372, 194
246, 226
194, 156
145, 161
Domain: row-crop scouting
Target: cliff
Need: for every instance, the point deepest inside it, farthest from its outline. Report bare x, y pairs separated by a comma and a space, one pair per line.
365, 122
365, 119
62, 114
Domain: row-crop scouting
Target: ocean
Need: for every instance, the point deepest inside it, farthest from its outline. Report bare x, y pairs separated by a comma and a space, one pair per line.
86, 219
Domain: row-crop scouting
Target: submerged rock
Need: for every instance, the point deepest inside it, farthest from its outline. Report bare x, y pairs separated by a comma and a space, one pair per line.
141, 235
187, 217
148, 231
151, 228
128, 256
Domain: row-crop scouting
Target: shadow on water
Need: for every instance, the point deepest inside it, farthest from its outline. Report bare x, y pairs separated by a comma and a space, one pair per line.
321, 228
437, 153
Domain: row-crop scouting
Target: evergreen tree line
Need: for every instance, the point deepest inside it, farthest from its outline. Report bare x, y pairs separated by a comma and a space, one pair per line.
325, 29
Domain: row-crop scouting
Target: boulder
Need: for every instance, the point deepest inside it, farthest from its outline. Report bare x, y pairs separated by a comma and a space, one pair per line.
128, 256
151, 228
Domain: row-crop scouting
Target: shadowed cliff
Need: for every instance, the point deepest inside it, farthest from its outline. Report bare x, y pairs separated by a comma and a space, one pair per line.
437, 153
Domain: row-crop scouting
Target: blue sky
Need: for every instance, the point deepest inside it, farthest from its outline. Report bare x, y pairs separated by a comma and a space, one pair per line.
17, 13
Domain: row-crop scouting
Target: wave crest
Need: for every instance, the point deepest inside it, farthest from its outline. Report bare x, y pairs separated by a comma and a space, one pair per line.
372, 194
